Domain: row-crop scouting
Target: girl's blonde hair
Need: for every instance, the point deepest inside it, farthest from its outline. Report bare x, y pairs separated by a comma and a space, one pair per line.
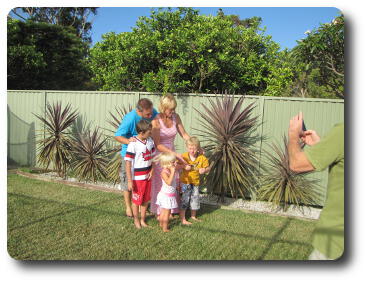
193, 141
167, 101
165, 159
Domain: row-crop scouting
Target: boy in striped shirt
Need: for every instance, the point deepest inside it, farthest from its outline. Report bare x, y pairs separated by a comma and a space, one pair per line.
139, 170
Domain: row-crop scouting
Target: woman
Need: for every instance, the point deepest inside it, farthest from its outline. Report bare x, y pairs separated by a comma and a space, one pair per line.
165, 127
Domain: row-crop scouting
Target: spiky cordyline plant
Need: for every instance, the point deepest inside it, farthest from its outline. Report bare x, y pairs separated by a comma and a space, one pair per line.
282, 186
114, 164
229, 133
89, 156
55, 147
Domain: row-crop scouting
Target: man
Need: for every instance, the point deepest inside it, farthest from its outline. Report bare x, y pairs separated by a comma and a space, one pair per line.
328, 152
125, 134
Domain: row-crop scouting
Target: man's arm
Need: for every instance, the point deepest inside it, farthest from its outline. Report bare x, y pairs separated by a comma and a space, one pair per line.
298, 161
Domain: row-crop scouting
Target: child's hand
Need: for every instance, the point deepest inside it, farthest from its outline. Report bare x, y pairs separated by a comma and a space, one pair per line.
150, 174
187, 167
202, 170
130, 185
172, 169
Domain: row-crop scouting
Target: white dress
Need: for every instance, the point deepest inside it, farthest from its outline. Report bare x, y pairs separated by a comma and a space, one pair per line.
166, 198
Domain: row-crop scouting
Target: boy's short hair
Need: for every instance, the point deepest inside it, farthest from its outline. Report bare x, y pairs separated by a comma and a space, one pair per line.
193, 141
144, 103
143, 125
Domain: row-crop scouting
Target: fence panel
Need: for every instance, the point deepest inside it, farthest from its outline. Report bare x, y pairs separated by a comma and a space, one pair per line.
23, 126
94, 107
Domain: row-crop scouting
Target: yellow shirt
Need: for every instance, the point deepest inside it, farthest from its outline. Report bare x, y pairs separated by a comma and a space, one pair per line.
193, 176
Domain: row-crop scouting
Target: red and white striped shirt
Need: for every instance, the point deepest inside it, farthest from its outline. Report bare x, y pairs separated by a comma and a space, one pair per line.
140, 153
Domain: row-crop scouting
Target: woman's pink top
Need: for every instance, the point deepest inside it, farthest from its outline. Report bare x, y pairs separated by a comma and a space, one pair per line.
167, 138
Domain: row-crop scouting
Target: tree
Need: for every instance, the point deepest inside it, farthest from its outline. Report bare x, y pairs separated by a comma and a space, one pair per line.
45, 56
76, 17
322, 56
182, 51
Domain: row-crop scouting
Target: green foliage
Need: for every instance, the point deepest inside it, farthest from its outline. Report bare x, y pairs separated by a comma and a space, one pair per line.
45, 56
320, 57
115, 157
229, 131
182, 51
75, 17
55, 142
89, 160
281, 186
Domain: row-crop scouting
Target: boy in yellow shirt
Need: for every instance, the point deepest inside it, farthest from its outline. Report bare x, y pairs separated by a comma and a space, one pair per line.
190, 179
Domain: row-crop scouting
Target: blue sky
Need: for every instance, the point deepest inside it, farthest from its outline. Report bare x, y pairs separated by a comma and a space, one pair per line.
285, 25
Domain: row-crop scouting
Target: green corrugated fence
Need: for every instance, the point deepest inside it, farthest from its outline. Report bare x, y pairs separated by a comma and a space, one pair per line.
94, 108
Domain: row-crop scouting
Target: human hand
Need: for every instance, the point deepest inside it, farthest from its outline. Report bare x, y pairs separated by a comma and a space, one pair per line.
172, 169
130, 185
187, 167
295, 127
150, 174
180, 158
202, 170
310, 137
132, 139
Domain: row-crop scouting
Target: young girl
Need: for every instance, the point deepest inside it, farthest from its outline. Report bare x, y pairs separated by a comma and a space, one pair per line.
166, 198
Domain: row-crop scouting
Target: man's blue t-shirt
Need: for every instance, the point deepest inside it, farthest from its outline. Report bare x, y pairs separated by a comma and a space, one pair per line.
127, 127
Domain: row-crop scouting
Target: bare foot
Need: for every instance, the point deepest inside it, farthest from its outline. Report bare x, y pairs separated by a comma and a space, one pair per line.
137, 223
171, 216
128, 213
185, 222
196, 219
143, 224
166, 230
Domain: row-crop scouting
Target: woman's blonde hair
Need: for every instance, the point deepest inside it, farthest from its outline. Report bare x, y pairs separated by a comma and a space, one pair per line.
167, 101
165, 159
193, 141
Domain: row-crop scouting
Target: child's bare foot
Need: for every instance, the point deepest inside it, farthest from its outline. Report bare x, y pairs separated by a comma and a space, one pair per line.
185, 222
137, 223
166, 230
143, 224
196, 219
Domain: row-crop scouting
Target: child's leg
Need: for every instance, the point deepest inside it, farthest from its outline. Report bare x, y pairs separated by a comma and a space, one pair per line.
183, 217
136, 215
127, 199
164, 218
143, 211
185, 202
195, 202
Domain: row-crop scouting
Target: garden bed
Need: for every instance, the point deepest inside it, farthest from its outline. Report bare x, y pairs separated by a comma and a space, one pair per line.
304, 212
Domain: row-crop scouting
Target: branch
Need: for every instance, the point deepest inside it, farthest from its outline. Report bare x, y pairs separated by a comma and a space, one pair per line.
332, 67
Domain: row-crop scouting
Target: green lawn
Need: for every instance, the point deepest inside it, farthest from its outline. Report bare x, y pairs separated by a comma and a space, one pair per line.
49, 221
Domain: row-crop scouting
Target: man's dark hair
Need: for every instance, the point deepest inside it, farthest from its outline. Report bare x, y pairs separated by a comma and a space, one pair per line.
143, 125
144, 103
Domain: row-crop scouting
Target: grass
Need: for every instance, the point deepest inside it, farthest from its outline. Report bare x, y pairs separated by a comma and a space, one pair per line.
50, 221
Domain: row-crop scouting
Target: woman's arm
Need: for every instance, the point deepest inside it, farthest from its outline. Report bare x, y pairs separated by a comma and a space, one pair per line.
181, 128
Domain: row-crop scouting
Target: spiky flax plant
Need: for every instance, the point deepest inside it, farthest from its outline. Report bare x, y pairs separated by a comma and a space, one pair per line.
281, 186
55, 144
229, 132
114, 164
89, 156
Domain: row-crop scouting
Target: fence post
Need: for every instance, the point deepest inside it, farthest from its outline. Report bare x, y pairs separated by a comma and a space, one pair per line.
261, 106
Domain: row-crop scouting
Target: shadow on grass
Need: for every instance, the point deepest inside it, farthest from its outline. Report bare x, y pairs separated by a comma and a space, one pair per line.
74, 209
